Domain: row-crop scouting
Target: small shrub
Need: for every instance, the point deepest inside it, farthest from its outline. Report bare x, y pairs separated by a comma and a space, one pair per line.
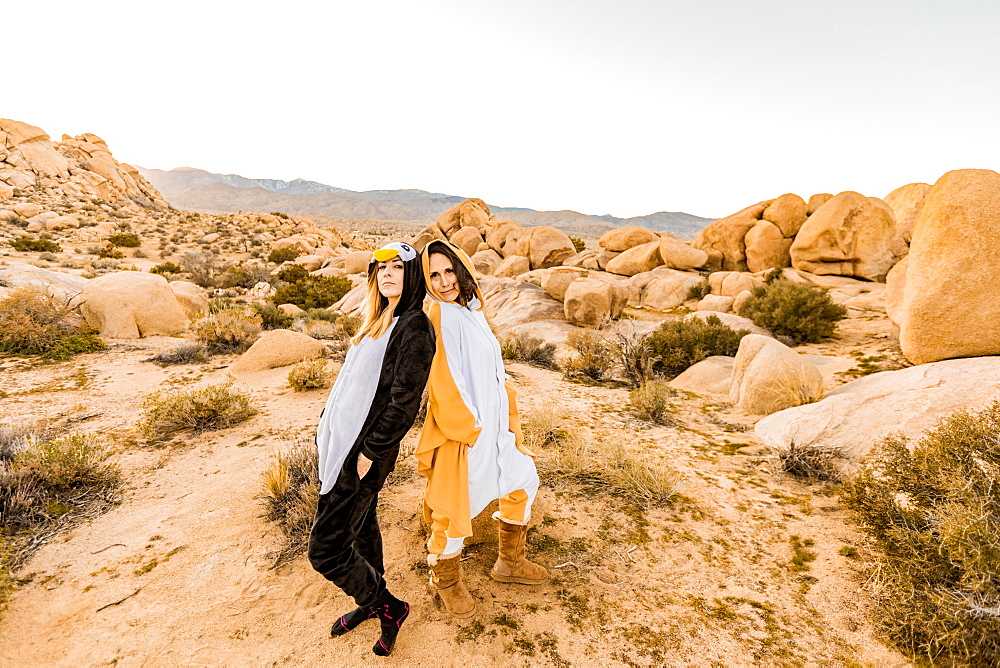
578, 244
632, 352
245, 275
278, 214
125, 240
932, 512
47, 257
698, 291
680, 343
110, 252
803, 313
166, 269
309, 375
35, 323
293, 273
283, 255
27, 244
271, 316
651, 401
220, 304
290, 493
206, 409
595, 357
140, 253
810, 461
350, 324
186, 353
228, 331
203, 268
322, 314
313, 292
526, 348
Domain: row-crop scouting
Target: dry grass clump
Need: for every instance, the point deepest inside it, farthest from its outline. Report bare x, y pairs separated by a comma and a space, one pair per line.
932, 512
185, 353
678, 344
206, 409
228, 331
290, 493
651, 401
525, 348
632, 352
810, 461
595, 357
33, 322
309, 375
803, 313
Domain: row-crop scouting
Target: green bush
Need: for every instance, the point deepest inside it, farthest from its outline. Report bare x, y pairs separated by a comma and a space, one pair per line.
166, 269
271, 316
283, 255
36, 323
313, 292
578, 244
803, 313
110, 252
245, 275
27, 244
293, 273
595, 356
698, 291
680, 343
206, 409
932, 512
125, 240
224, 332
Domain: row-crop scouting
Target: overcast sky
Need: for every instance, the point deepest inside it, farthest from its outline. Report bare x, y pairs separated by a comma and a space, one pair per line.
624, 107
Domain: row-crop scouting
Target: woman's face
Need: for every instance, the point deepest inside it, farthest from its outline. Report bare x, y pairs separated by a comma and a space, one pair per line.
443, 278
389, 276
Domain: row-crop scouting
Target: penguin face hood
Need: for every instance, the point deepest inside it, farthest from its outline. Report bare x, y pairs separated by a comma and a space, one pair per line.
413, 278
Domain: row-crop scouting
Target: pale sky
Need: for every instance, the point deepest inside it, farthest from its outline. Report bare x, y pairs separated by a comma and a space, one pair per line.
625, 107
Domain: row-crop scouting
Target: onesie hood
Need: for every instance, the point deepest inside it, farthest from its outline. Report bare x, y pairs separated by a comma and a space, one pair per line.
414, 288
462, 257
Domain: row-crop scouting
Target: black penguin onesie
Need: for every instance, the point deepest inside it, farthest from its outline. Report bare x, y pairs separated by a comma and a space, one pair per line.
345, 544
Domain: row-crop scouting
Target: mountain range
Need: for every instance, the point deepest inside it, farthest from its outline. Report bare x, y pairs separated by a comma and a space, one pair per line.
195, 189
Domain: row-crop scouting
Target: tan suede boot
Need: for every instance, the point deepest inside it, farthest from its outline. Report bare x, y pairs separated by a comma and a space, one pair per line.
512, 564
446, 576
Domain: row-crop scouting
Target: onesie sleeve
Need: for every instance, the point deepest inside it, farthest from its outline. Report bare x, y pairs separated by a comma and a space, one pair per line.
409, 376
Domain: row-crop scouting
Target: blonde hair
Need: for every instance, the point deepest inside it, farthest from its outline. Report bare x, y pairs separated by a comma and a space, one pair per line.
378, 318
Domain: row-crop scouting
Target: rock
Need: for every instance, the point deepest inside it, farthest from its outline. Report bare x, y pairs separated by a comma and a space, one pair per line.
549, 331
468, 239
604, 257
905, 203
292, 310
816, 201
502, 233
709, 376
895, 286
192, 298
951, 304
60, 223
740, 300
470, 213
211, 238
27, 209
665, 289
545, 246
732, 283
312, 262
678, 255
856, 415
276, 348
426, 235
555, 280
624, 238
716, 303
130, 304
787, 213
579, 259
733, 322
486, 261
768, 377
593, 302
353, 303
766, 248
6, 191
850, 235
515, 265
869, 301
55, 283
637, 260
356, 262
509, 303
726, 236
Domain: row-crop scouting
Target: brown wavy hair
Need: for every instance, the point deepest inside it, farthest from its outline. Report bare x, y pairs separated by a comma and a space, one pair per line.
467, 286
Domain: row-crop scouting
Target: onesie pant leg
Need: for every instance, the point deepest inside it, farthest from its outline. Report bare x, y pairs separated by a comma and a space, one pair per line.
369, 541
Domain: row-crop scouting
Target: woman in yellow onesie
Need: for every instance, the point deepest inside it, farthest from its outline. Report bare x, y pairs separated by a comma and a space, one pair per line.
470, 449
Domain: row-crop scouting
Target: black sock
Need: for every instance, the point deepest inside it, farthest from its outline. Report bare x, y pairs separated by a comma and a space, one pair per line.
391, 614
351, 620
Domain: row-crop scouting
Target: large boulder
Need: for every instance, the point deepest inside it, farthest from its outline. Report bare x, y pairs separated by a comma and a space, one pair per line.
905, 203
636, 260
726, 236
515, 265
427, 235
55, 283
766, 247
468, 239
555, 280
895, 285
623, 238
130, 304
732, 283
787, 213
678, 255
816, 201
768, 376
510, 302
545, 246
278, 347
709, 376
951, 304
850, 235
664, 289
486, 261
192, 298
593, 302
856, 415
716, 303
469, 213
356, 262
502, 232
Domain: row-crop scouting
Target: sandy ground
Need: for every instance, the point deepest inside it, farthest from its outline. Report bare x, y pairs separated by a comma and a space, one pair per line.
179, 573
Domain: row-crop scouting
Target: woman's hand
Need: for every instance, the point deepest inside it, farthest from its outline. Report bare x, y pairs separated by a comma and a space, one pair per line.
363, 465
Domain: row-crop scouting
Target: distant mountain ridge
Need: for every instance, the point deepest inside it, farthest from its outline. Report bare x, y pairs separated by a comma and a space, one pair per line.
195, 189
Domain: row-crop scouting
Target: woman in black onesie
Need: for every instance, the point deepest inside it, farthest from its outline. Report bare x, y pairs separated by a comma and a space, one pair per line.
371, 407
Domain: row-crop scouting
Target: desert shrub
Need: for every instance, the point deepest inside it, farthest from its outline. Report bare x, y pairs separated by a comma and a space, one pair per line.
203, 268
698, 291
651, 401
185, 353
309, 375
526, 348
631, 351
349, 324
290, 493
578, 244
595, 357
283, 255
47, 257
36, 323
228, 331
322, 314
125, 240
245, 275
220, 304
166, 269
206, 409
313, 292
680, 343
932, 512
803, 313
279, 214
811, 461
109, 252
140, 253
293, 273
271, 316
27, 244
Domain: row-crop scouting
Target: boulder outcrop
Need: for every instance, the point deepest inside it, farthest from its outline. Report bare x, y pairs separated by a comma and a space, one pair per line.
768, 377
130, 304
277, 348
